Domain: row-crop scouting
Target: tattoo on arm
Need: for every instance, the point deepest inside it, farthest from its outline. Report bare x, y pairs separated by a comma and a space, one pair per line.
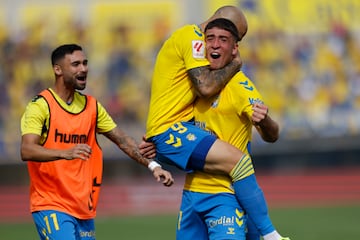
208, 82
128, 145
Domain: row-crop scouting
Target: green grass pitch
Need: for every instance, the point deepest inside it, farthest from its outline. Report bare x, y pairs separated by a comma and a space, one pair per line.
327, 223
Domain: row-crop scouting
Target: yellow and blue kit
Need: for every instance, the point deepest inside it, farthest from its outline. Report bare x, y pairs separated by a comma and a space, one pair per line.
211, 197
169, 124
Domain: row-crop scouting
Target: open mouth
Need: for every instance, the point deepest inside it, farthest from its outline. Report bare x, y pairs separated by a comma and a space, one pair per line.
215, 55
81, 78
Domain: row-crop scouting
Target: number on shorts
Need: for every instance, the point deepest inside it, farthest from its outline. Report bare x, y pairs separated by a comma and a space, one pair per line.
54, 222
178, 127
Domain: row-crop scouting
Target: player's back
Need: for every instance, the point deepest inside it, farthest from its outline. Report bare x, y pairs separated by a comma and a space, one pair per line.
172, 94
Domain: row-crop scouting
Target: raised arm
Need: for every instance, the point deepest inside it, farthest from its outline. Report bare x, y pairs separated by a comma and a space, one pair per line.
264, 124
208, 82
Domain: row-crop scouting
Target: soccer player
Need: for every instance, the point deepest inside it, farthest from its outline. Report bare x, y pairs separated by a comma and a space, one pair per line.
64, 160
181, 73
209, 209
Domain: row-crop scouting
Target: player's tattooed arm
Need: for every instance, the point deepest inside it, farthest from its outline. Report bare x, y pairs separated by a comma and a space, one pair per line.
208, 82
127, 144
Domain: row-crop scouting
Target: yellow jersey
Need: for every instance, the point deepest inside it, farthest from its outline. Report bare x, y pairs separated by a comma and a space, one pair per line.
172, 94
228, 116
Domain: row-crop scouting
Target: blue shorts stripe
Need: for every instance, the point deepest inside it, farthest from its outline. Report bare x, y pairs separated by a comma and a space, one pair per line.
198, 156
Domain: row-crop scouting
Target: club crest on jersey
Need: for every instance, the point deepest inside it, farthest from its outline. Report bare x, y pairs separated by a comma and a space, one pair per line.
198, 49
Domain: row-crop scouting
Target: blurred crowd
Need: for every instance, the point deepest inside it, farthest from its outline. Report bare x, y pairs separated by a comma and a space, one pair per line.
310, 82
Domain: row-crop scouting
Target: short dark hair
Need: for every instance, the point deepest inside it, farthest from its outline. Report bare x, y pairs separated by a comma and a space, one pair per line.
225, 24
62, 50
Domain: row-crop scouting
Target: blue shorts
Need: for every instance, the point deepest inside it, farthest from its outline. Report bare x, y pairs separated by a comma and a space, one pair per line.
57, 225
206, 216
183, 145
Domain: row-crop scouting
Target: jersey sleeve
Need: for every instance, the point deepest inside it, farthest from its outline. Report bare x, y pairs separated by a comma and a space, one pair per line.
105, 123
245, 95
34, 117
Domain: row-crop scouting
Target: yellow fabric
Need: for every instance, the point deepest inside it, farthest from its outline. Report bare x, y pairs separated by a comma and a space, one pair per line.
228, 116
172, 94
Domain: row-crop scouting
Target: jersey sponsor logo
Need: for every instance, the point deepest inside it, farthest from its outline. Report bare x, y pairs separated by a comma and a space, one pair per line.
223, 220
229, 220
246, 85
87, 234
255, 100
202, 125
70, 138
198, 49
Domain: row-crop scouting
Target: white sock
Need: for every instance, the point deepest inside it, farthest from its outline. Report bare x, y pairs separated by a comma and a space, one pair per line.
272, 236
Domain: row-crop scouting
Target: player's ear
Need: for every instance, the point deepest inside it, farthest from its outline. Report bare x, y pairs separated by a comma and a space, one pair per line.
57, 69
235, 50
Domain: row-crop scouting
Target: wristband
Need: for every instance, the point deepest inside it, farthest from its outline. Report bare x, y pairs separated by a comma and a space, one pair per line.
152, 165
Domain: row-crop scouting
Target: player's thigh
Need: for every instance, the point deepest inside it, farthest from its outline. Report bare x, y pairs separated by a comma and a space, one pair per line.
222, 157
190, 225
226, 219
55, 225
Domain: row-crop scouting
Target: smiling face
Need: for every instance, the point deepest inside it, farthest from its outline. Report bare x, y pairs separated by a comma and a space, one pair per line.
221, 47
73, 68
